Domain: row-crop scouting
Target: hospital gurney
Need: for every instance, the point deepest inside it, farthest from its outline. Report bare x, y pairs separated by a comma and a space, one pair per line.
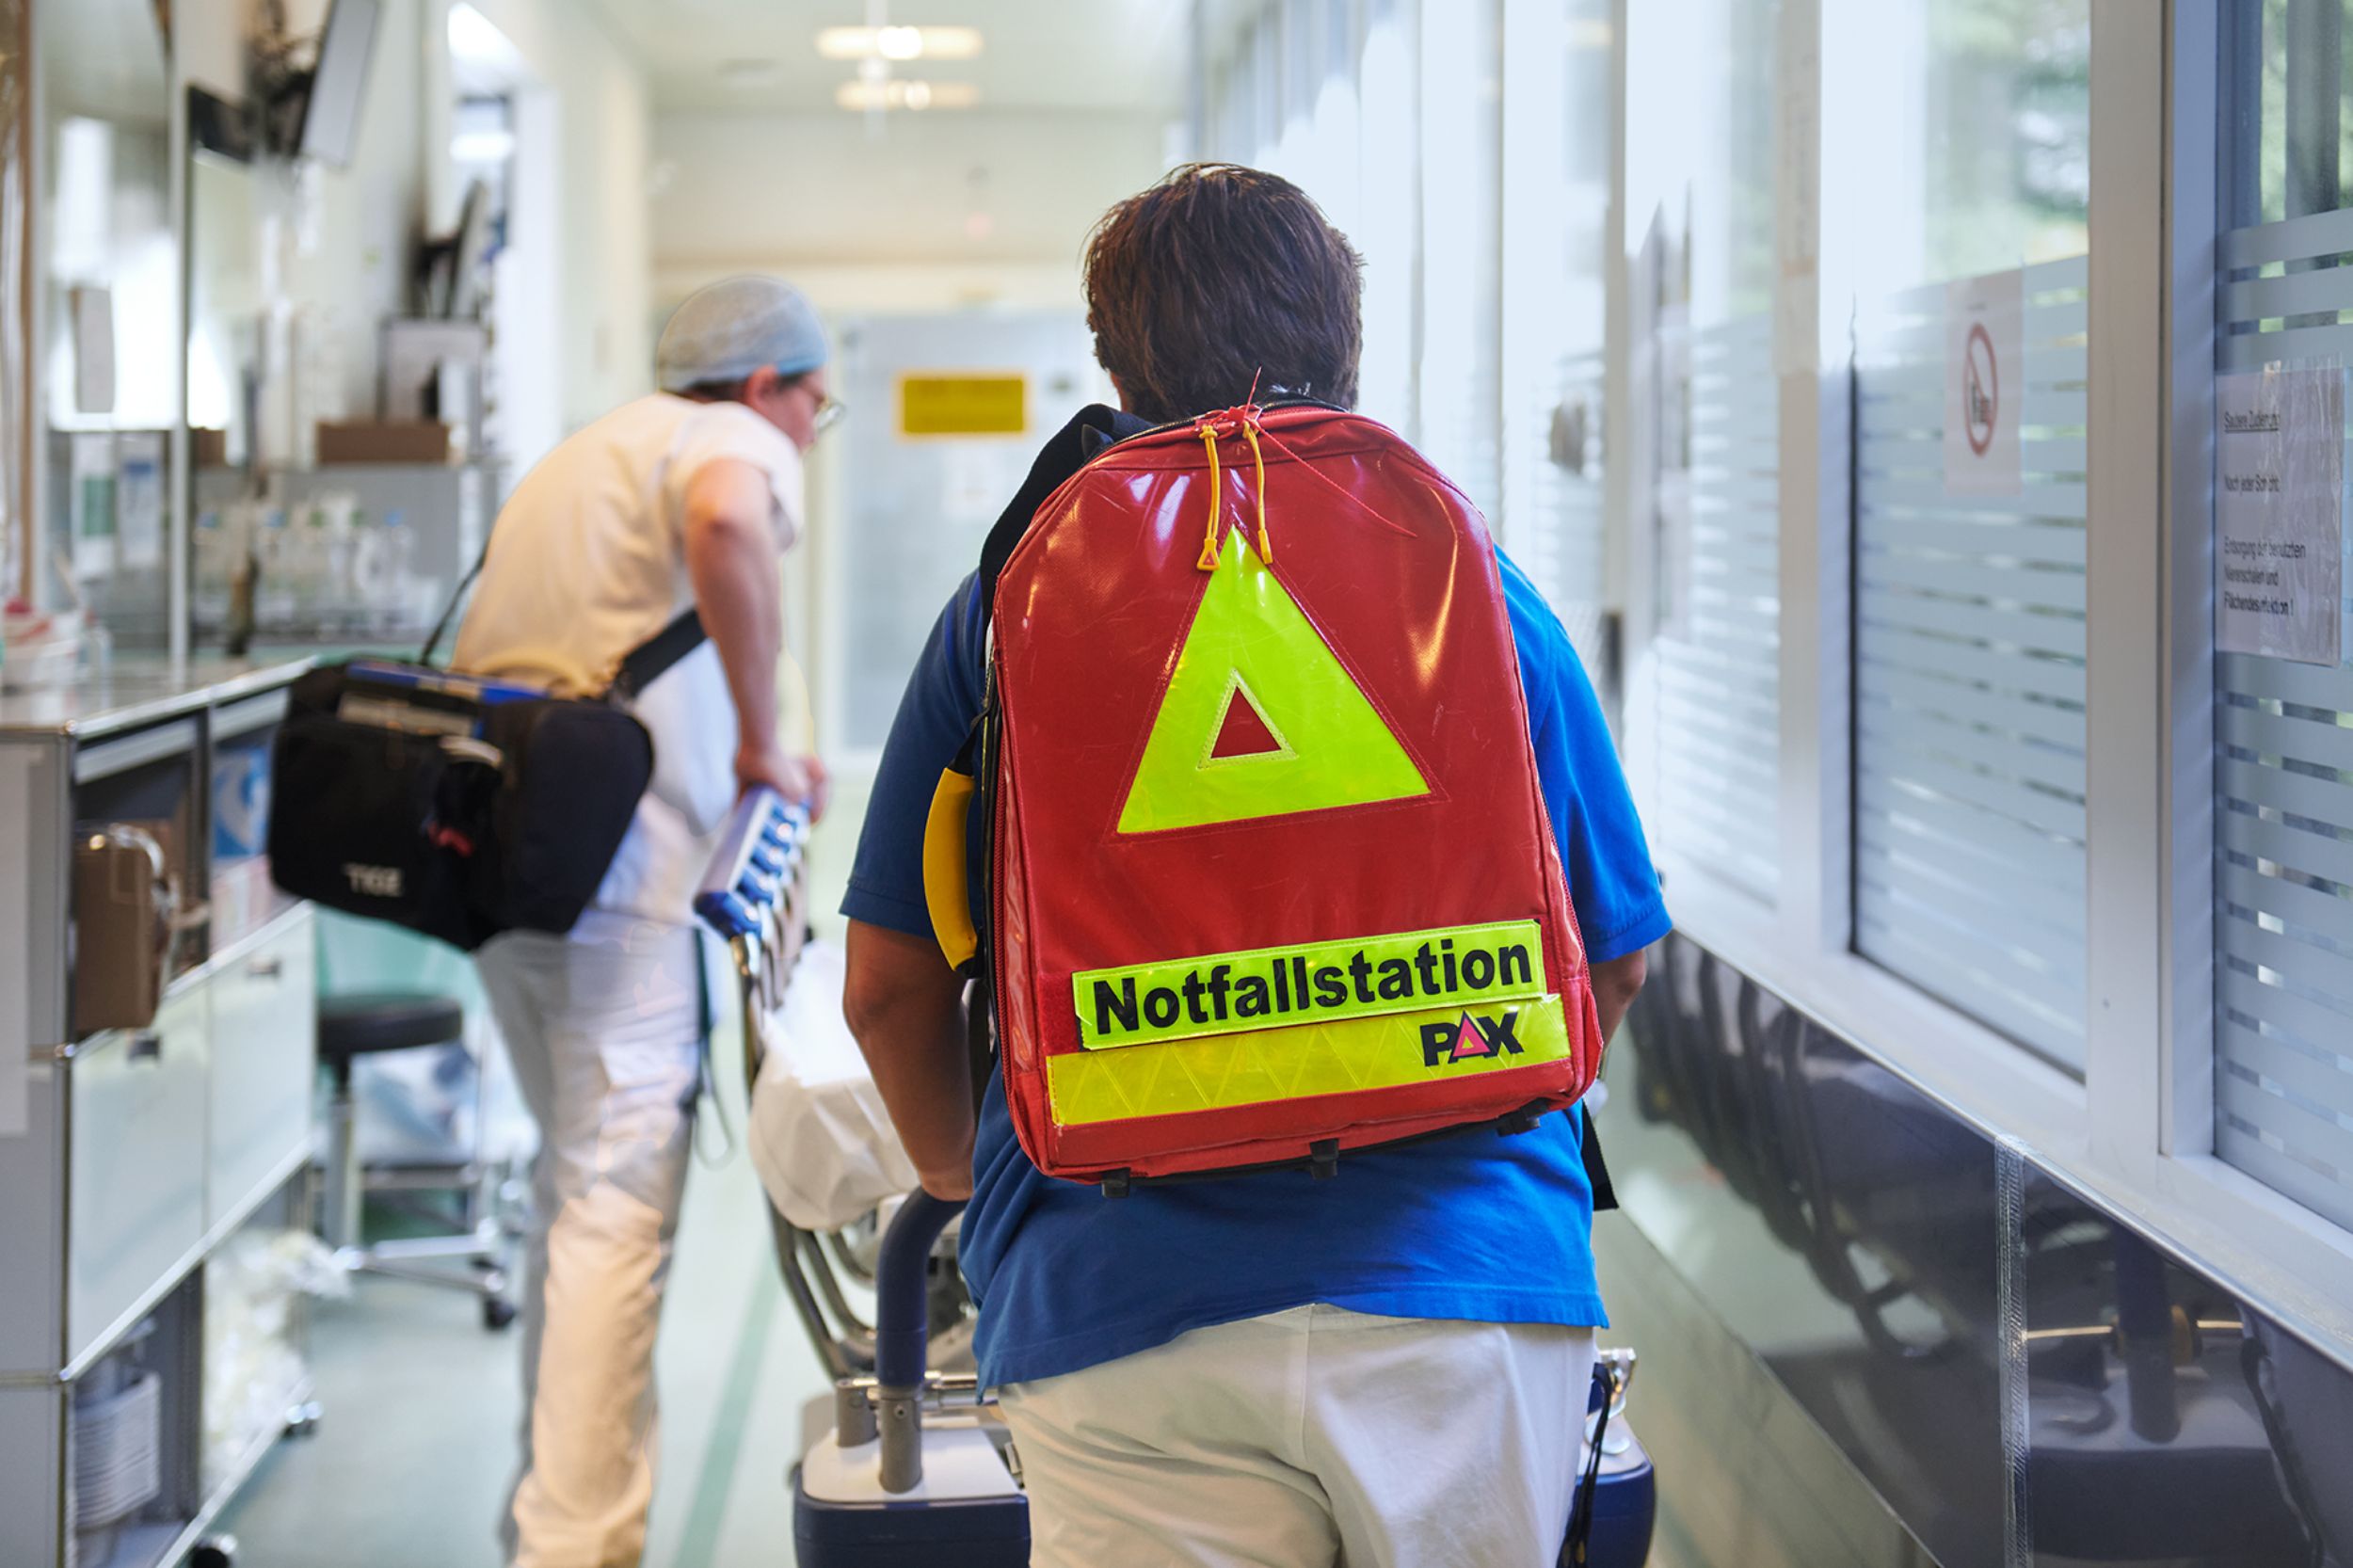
820, 1138
917, 1469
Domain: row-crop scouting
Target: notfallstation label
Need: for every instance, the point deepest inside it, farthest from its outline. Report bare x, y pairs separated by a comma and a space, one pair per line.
1258, 988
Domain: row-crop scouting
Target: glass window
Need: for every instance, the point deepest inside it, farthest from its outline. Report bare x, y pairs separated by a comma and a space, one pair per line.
1965, 128
1346, 135
111, 294
1388, 231
2283, 731
1700, 219
1557, 146
1462, 158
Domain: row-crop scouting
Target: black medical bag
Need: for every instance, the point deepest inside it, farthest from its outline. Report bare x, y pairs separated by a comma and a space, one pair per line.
455, 806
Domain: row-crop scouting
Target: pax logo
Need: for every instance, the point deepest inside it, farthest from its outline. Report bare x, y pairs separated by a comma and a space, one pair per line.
373, 881
1472, 1036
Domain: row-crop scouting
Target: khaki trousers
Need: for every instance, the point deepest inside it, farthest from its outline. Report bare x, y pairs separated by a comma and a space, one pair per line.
603, 1028
1309, 1438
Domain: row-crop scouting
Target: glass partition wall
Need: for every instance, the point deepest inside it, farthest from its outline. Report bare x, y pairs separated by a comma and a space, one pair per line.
2283, 726
1969, 595
1704, 714
1560, 107
1843, 372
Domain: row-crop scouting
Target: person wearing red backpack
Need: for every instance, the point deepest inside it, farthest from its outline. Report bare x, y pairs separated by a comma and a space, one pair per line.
1390, 1367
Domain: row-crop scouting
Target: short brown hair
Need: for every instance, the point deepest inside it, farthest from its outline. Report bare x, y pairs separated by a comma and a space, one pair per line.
1217, 277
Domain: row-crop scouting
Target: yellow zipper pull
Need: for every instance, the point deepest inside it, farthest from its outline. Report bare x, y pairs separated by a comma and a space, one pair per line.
1250, 428
1217, 503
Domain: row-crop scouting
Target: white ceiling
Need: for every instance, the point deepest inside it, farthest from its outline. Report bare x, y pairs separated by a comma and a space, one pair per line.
1098, 55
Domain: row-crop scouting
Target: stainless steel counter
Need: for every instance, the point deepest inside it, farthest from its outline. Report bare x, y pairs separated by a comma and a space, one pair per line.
139, 689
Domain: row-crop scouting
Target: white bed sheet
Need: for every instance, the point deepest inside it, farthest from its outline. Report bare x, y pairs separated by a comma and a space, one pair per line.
820, 1138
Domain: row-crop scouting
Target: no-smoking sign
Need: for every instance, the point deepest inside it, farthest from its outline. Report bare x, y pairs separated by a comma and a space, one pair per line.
1984, 325
1980, 389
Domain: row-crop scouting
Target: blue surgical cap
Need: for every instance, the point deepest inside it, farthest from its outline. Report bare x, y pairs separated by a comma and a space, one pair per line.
731, 328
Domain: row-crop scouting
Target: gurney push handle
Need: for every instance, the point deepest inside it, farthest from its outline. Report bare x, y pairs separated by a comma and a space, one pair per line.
901, 1327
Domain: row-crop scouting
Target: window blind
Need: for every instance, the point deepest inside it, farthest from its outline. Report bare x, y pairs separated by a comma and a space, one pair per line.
1969, 677
1719, 693
2284, 795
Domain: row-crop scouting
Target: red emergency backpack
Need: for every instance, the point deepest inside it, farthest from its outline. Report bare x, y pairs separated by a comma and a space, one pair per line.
1268, 875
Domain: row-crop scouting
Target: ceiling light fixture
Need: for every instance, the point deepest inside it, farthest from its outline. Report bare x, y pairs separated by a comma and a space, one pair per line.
897, 92
899, 43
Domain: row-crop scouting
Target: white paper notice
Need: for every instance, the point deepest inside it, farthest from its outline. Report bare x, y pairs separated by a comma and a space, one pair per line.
139, 498
1985, 382
2279, 511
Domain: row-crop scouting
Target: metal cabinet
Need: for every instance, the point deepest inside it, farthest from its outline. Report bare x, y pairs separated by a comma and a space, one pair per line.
141, 1151
259, 1093
134, 1170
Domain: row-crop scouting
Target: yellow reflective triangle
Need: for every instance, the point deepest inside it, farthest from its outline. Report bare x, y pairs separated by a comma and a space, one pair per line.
1250, 643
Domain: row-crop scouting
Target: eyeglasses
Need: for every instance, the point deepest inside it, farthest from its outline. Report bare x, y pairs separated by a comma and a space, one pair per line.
830, 412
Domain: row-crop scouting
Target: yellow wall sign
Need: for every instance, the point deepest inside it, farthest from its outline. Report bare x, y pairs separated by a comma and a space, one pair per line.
964, 405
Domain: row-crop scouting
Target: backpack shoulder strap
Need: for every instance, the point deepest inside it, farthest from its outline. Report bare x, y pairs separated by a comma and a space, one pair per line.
1089, 430
945, 886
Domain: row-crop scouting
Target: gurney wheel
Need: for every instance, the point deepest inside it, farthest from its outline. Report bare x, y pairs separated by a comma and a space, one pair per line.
497, 1312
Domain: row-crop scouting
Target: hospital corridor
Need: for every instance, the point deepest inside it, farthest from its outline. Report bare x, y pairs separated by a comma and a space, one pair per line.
1175, 784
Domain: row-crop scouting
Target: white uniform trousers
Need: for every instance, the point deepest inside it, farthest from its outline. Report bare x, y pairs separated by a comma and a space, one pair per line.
604, 1030
1307, 1438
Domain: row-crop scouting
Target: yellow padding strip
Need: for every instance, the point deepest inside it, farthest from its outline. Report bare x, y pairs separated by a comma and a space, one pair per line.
1227, 1070
945, 881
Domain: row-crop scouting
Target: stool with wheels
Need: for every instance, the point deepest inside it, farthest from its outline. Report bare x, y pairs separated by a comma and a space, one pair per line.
358, 1025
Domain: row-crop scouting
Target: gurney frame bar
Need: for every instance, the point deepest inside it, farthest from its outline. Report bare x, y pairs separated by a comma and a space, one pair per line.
756, 894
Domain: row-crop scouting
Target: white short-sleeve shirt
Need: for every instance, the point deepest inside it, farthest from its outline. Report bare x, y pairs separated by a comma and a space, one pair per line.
588, 560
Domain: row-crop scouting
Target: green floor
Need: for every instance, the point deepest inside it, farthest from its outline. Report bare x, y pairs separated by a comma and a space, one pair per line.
409, 1465
412, 1458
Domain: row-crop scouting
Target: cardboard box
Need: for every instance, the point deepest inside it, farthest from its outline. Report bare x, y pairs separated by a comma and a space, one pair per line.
383, 441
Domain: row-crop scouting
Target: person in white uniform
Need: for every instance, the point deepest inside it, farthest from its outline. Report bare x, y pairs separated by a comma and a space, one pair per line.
684, 498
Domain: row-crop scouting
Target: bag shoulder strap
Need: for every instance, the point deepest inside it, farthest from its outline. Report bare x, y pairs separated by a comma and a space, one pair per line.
1597, 1168
642, 665
449, 610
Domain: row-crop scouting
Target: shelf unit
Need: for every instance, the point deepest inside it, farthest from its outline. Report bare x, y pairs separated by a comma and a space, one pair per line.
147, 1153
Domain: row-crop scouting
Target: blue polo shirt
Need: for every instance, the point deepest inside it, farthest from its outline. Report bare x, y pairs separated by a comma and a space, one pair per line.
1473, 1227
